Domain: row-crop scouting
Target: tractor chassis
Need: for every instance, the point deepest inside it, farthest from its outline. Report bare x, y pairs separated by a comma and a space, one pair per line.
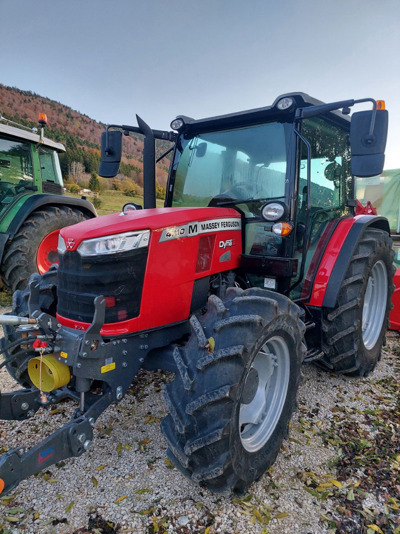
114, 362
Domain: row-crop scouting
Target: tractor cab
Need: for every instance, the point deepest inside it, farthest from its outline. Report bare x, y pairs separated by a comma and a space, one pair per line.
28, 162
288, 173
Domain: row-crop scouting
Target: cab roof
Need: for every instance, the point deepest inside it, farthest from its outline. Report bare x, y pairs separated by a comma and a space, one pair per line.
254, 116
19, 133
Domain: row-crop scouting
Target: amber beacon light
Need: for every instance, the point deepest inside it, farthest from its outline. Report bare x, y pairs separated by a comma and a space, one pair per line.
42, 119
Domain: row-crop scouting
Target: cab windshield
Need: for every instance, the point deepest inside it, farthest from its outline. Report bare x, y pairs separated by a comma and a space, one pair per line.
15, 161
226, 166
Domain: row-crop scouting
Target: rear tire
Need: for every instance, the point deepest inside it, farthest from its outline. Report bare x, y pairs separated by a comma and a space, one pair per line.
34, 247
354, 331
233, 395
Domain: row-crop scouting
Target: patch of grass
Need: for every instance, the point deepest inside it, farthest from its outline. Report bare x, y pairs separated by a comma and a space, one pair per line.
112, 201
5, 298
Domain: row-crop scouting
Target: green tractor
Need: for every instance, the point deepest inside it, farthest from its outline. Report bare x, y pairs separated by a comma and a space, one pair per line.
33, 208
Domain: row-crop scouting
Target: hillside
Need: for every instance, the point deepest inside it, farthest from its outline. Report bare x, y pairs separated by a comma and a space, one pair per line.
79, 133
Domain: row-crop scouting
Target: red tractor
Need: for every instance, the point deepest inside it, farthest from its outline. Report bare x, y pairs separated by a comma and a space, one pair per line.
257, 264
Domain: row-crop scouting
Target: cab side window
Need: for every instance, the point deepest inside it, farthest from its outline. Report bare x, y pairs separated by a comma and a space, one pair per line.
329, 189
330, 158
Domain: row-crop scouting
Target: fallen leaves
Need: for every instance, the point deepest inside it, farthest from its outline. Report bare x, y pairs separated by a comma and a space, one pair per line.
168, 463
69, 507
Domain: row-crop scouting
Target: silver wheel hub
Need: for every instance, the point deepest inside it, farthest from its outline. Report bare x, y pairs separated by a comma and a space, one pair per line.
375, 303
264, 394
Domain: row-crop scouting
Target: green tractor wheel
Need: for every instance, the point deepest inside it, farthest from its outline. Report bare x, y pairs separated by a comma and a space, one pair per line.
34, 248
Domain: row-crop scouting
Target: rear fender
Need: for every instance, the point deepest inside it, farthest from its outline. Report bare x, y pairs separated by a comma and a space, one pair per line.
35, 202
337, 256
13, 220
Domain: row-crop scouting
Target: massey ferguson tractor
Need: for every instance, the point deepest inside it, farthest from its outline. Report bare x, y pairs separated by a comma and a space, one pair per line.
261, 260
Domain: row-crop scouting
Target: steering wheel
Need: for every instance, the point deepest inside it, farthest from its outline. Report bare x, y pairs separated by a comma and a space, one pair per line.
238, 191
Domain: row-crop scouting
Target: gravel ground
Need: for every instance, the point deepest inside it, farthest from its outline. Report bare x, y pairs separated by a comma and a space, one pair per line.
337, 472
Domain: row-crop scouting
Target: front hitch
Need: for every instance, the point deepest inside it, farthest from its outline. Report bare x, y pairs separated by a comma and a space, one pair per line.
43, 349
73, 439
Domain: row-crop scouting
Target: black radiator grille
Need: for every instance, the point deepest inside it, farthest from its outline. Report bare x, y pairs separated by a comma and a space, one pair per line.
118, 277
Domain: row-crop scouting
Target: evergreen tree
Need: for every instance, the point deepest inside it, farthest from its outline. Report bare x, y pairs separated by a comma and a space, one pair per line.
94, 183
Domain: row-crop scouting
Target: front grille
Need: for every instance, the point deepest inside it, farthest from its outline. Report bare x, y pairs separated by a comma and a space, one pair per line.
117, 277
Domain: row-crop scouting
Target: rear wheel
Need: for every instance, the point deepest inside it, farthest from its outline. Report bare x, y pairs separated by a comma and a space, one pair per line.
232, 399
34, 248
354, 331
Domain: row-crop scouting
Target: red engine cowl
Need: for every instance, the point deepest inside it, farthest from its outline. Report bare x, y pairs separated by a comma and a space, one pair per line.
154, 288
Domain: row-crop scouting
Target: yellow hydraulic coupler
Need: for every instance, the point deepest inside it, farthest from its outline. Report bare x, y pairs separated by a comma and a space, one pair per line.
47, 373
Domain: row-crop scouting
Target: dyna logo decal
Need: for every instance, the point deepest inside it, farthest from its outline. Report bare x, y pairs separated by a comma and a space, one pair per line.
227, 243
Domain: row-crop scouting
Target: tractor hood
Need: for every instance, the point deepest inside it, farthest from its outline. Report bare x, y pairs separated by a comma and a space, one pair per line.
171, 223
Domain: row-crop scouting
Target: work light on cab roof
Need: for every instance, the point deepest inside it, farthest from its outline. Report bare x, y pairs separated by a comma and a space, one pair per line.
285, 103
177, 124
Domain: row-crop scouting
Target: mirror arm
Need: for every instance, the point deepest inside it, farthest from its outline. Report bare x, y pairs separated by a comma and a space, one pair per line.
164, 135
158, 134
311, 111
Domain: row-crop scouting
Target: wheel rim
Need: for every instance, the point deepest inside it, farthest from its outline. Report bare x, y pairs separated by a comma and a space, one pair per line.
47, 253
264, 394
375, 303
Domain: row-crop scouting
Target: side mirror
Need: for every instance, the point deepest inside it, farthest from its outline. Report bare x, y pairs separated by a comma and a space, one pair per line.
368, 149
111, 153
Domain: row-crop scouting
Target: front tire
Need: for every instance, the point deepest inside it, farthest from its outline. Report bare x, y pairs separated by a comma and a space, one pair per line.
354, 331
233, 395
34, 248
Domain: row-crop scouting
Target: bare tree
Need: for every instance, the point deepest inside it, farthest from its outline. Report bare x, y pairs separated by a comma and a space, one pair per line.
76, 171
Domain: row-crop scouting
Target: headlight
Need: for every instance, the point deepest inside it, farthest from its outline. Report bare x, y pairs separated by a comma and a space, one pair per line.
273, 211
111, 244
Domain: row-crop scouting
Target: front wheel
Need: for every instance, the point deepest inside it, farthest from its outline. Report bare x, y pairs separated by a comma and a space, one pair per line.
233, 395
354, 331
34, 247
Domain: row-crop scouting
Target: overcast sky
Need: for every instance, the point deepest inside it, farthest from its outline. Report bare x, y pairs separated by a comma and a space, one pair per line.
111, 59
